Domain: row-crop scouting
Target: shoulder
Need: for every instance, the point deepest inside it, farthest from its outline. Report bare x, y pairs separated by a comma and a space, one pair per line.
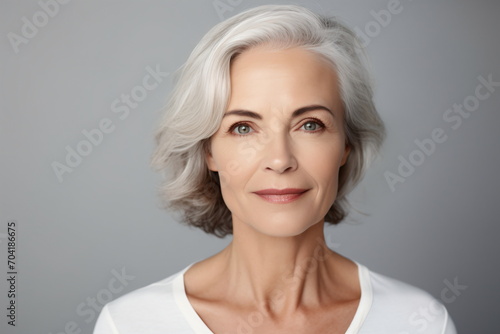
403, 308
140, 309
145, 297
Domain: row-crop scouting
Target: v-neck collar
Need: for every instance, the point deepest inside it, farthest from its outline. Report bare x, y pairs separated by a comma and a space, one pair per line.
199, 327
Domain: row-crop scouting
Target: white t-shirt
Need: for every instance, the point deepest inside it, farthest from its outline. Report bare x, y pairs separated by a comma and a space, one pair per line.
387, 306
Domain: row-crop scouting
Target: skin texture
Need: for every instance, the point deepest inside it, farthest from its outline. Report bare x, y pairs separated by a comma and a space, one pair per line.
277, 275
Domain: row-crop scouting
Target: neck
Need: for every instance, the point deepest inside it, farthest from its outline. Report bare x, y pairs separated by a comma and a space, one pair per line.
278, 273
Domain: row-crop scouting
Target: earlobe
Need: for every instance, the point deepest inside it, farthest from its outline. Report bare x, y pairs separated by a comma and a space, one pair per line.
346, 155
209, 159
210, 162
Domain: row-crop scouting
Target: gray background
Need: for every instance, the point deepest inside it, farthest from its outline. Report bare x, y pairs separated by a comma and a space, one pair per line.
440, 225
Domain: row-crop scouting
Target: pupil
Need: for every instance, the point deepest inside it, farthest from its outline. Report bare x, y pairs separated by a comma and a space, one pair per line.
310, 126
243, 129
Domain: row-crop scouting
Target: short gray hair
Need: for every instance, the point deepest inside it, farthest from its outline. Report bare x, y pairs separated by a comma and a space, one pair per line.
202, 89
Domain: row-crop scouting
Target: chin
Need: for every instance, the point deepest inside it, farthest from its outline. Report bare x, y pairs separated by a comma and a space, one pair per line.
284, 226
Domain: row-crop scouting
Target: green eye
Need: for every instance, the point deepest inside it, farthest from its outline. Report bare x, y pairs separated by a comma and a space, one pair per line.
310, 126
242, 129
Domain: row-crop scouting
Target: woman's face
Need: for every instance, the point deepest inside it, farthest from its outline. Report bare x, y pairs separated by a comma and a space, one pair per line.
281, 142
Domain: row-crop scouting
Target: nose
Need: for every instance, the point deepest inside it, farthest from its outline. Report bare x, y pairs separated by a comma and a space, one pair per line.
279, 155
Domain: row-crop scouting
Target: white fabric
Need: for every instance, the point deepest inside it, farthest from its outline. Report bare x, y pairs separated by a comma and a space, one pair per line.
387, 306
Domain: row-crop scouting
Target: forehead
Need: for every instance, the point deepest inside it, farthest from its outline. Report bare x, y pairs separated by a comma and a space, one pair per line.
264, 75
265, 58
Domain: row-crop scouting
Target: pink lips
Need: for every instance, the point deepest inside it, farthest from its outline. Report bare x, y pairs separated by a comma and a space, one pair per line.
280, 195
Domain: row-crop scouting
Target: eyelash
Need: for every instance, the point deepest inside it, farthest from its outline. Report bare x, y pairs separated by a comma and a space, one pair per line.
317, 121
311, 119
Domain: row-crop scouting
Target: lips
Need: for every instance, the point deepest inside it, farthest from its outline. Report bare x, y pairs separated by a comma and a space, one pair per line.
280, 196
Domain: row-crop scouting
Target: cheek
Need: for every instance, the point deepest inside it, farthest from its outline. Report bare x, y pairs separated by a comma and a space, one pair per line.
234, 161
326, 157
328, 174
323, 163
230, 174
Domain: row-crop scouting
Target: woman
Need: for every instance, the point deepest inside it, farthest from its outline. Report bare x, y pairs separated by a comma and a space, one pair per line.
269, 127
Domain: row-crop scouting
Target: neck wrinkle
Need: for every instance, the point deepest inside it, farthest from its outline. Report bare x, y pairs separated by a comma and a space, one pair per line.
279, 275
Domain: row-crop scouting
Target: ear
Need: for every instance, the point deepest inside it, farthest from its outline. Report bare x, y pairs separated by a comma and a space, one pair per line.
209, 160
347, 150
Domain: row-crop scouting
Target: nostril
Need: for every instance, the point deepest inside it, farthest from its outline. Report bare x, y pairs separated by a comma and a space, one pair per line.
282, 165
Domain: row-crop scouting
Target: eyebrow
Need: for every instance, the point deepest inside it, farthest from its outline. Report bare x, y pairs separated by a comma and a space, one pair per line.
298, 112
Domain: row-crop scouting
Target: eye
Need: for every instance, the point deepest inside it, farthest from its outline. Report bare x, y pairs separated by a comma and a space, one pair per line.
312, 126
241, 129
